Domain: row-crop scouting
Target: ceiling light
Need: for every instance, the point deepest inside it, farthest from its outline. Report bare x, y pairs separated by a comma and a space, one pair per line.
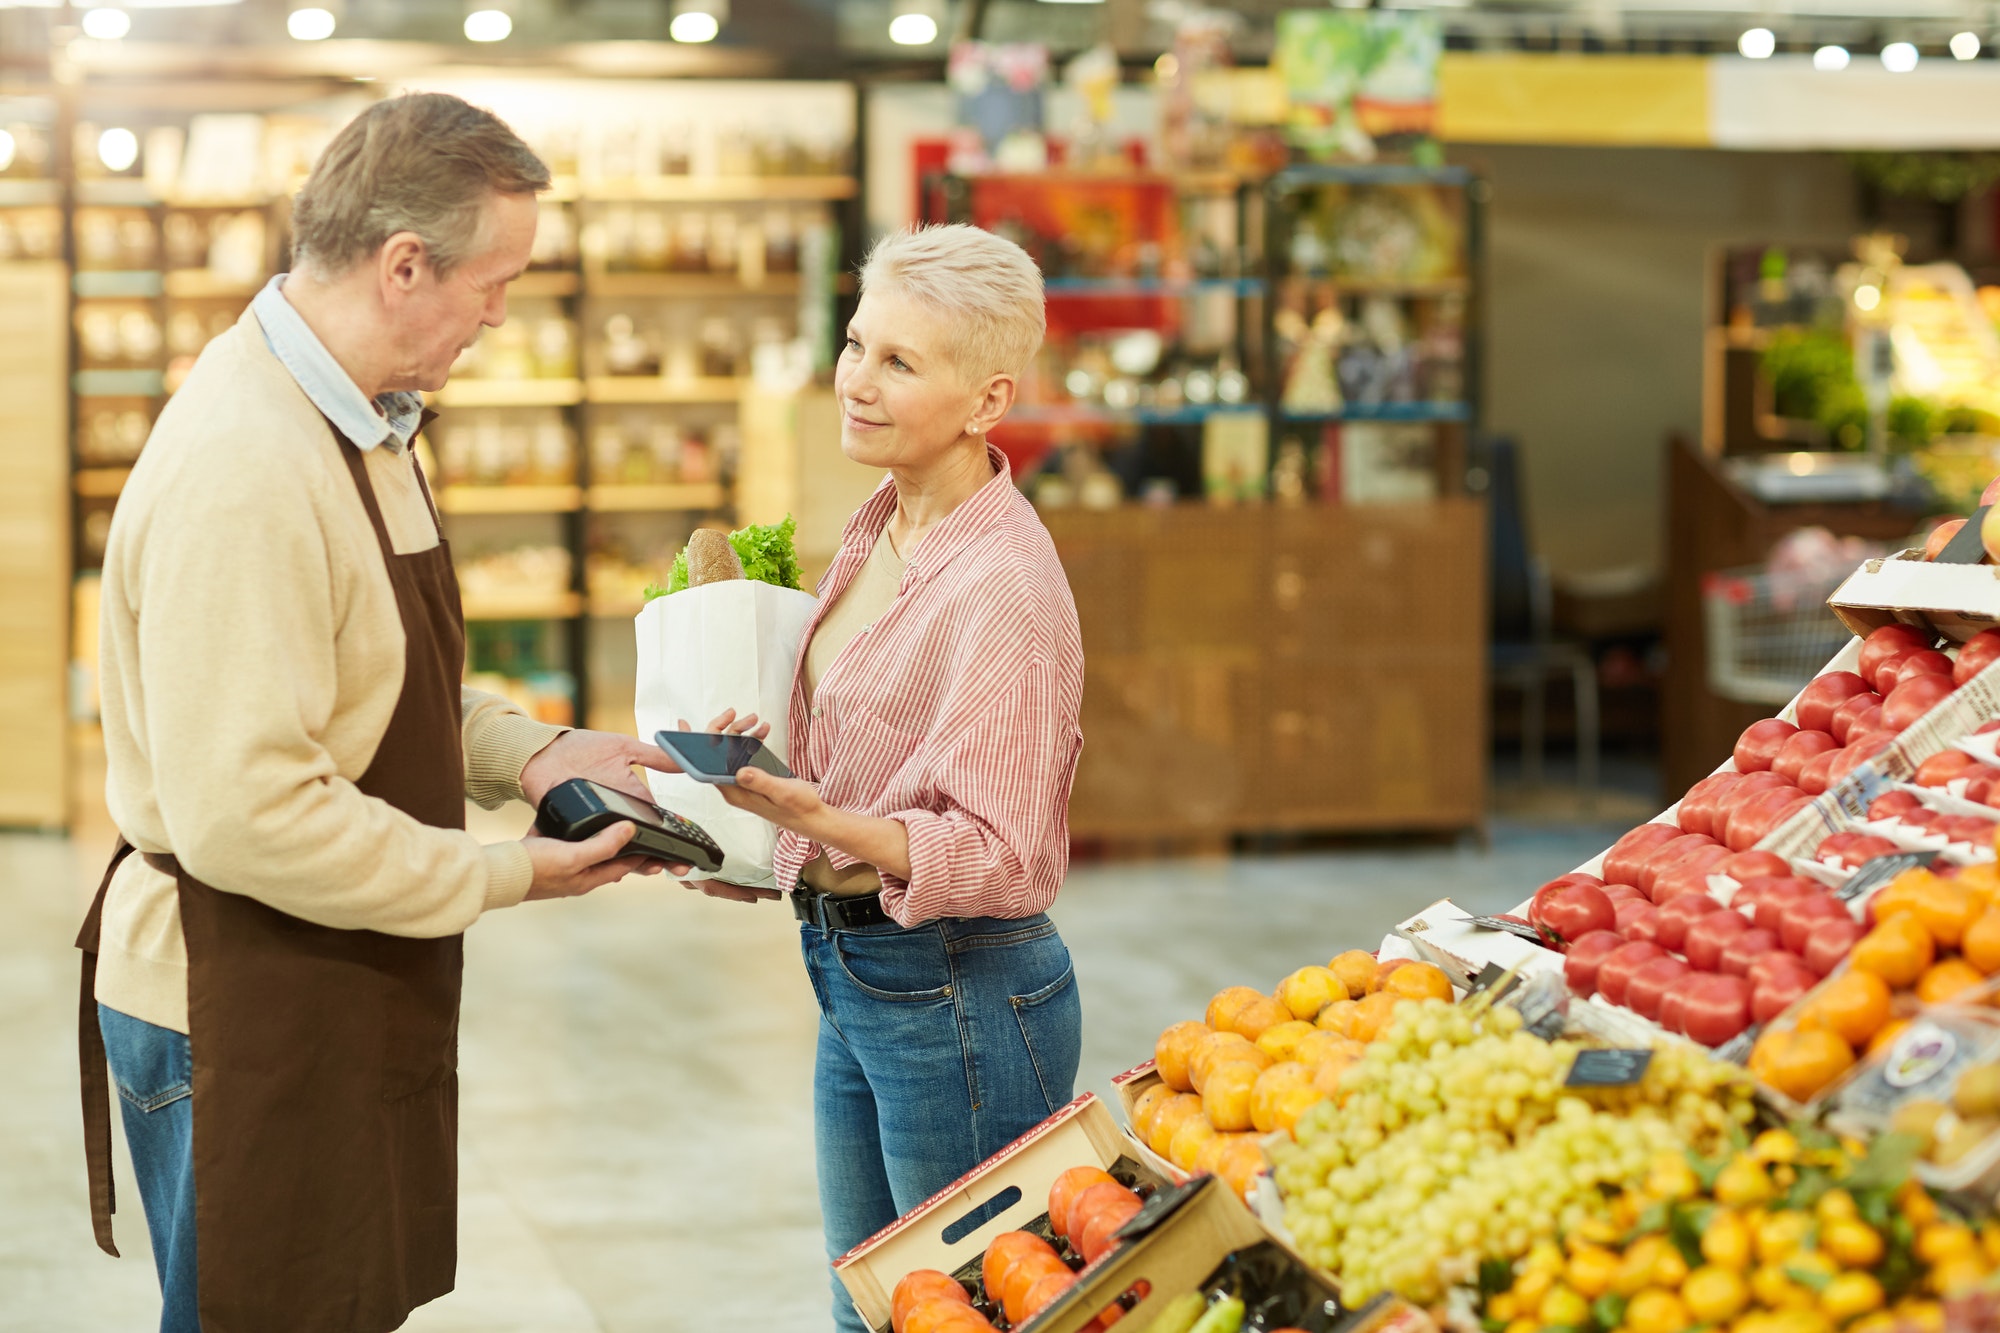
1831, 58
1867, 296
117, 149
1757, 43
310, 25
913, 30
488, 25
106, 25
698, 20
1899, 57
6, 150
1965, 46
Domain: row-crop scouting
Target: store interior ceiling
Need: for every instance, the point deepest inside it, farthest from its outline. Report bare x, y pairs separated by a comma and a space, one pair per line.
875, 37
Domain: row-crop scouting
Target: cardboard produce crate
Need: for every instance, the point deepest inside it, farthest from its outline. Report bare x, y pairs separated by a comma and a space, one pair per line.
1129, 1086
1009, 1191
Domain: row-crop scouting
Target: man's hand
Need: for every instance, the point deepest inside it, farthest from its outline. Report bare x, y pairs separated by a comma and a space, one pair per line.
568, 869
601, 756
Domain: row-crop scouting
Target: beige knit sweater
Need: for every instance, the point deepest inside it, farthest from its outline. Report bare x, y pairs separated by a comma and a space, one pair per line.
251, 656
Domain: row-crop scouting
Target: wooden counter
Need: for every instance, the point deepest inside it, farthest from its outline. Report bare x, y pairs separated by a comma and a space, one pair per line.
1279, 669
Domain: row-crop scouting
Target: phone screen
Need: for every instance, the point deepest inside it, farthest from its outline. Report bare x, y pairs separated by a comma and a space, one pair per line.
626, 807
707, 753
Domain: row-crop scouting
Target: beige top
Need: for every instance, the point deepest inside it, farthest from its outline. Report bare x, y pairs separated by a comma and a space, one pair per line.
251, 656
872, 593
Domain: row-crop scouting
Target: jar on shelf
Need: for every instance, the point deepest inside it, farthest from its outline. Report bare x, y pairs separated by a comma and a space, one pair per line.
555, 238
185, 240
781, 242
489, 452
554, 452
719, 347
625, 351
664, 443
690, 246
722, 256
652, 241
615, 235
696, 463
555, 348
608, 446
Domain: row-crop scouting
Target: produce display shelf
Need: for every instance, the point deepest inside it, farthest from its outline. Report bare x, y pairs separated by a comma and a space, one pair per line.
510, 393
510, 499
638, 389
1385, 286
190, 283
701, 189
689, 284
554, 606
1388, 412
1152, 286
136, 282
119, 383
656, 499
101, 483
545, 282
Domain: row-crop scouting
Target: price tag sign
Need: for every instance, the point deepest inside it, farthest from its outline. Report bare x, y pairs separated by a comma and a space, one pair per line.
1521, 928
1489, 976
1737, 1049
1877, 871
1608, 1069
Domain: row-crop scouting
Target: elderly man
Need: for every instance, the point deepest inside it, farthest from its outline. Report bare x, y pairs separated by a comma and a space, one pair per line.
274, 978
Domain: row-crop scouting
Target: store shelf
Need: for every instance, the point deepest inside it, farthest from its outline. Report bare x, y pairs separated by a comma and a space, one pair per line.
116, 192
689, 284
29, 193
636, 389
510, 499
1083, 414
674, 189
1388, 412
100, 483
1384, 286
548, 606
137, 282
652, 499
616, 608
118, 383
195, 283
1151, 286
510, 393
548, 282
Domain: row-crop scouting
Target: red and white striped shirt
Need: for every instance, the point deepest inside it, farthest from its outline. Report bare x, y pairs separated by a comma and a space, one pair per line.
955, 713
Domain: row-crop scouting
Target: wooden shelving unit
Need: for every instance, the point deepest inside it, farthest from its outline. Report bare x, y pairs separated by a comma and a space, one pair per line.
510, 393
637, 390
100, 483
549, 606
656, 499
510, 499
689, 284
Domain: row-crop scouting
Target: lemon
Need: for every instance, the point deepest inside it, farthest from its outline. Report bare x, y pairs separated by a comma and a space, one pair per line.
1635, 1270
1780, 1234
1852, 1243
1714, 1294
1927, 1316
1545, 1257
1851, 1295
1957, 1274
1803, 1319
1916, 1201
1743, 1183
1532, 1285
1524, 1326
1670, 1270
1656, 1311
1563, 1308
1772, 1288
1503, 1307
1672, 1178
1726, 1240
1592, 1270
1940, 1241
1836, 1206
1775, 1145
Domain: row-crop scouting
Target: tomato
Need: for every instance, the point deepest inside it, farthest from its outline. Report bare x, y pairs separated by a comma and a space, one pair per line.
1746, 866
1717, 1008
1586, 954
1778, 962
1649, 984
1738, 954
1818, 700
1778, 991
1797, 918
1856, 850
1979, 788
1614, 974
1621, 863
1991, 495
1639, 921
1678, 914
1967, 828
1800, 747
1941, 536
1697, 808
1759, 743
1817, 775
1830, 940
1942, 767
1888, 640
1673, 1005
1929, 662
1619, 893
1894, 805
1707, 938
1750, 822
1776, 892
1569, 911
1979, 652
1852, 708
1665, 855
1912, 699
1688, 875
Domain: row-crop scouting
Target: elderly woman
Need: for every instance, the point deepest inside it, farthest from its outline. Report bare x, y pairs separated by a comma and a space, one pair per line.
934, 731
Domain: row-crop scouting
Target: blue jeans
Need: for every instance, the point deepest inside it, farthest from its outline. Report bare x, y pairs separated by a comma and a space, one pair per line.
153, 1072
938, 1046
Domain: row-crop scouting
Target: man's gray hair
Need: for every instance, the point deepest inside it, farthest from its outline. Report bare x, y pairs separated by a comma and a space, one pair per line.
423, 162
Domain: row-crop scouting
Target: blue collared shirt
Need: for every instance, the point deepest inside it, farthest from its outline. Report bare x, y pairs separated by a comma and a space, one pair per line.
391, 419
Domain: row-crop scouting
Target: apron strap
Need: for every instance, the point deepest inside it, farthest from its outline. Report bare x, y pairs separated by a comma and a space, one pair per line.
358, 465
95, 1068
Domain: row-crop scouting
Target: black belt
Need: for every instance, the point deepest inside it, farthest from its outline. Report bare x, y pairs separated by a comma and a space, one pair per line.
833, 912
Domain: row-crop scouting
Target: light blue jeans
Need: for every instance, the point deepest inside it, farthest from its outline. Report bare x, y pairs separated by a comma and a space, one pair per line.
153, 1072
938, 1046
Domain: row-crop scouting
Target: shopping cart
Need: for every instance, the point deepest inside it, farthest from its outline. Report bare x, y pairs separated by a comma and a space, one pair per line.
1768, 634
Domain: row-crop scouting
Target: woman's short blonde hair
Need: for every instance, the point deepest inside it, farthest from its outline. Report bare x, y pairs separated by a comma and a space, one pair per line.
984, 284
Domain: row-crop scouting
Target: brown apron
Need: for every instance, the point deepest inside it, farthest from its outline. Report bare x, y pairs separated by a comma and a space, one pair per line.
325, 1061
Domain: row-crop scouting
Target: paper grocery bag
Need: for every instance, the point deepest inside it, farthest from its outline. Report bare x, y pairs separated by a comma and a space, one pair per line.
703, 651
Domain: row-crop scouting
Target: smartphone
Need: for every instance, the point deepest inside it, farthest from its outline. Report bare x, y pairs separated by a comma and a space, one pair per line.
580, 808
708, 757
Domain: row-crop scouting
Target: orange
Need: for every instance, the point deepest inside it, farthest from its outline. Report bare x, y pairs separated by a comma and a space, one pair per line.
1981, 945
1293, 1102
1271, 1088
1174, 1049
1382, 971
1043, 1293
1356, 970
1021, 1279
1888, 1032
1188, 1141
1226, 1099
1146, 1106
1177, 1109
1947, 908
1282, 1041
1003, 1252
1257, 1017
1242, 1162
1900, 894
1208, 1159
1853, 1005
1418, 981
924, 1284
1321, 1046
944, 1316
1946, 978
1897, 950
1068, 1186
1801, 1061
1223, 1008
1326, 1079
1338, 1017
1220, 1048
1309, 990
1982, 882
1371, 1015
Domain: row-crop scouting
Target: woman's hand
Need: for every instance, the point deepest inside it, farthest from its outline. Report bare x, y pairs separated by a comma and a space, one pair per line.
731, 725
790, 803
735, 893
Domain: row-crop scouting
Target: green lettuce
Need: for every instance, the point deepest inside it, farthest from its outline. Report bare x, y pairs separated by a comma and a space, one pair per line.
766, 550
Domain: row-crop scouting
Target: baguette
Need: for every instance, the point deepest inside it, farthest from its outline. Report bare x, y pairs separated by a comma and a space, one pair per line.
711, 558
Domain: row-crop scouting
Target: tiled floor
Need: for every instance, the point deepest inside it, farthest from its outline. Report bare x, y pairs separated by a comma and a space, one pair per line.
636, 1071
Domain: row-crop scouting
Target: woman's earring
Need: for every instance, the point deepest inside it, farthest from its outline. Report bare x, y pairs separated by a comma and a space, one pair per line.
972, 428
